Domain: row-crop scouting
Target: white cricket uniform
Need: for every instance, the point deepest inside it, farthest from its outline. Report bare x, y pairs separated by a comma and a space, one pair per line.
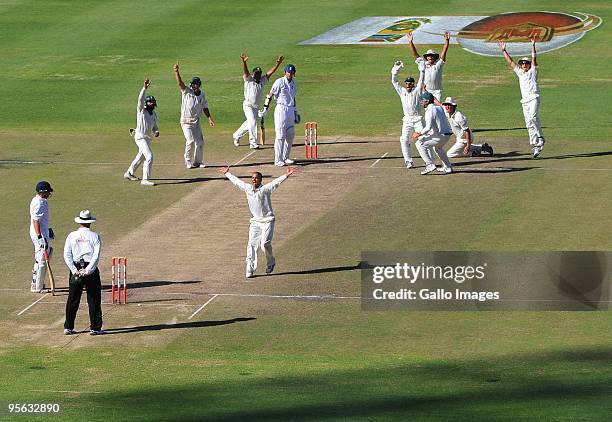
284, 91
530, 93
459, 124
192, 108
435, 135
433, 76
146, 127
82, 244
39, 211
413, 119
261, 229
253, 94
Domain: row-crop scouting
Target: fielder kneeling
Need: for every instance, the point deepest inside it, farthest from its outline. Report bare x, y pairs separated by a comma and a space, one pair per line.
262, 223
464, 146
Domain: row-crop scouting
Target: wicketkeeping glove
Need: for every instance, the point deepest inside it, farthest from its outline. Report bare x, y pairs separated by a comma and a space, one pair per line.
297, 117
51, 234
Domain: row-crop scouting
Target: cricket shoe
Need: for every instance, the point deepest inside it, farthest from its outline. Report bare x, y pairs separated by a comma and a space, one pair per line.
280, 164
289, 161
270, 268
132, 131
199, 166
146, 182
69, 332
96, 332
236, 142
444, 169
254, 146
409, 164
428, 169
249, 274
537, 151
487, 148
129, 176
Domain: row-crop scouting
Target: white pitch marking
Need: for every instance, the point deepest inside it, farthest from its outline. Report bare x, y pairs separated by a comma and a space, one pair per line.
376, 162
35, 302
68, 391
244, 158
203, 306
97, 163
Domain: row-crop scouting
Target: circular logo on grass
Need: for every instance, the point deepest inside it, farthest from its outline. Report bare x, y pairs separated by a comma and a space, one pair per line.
552, 30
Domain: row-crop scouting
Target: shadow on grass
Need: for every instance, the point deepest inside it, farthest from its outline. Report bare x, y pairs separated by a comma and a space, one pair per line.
504, 129
322, 270
178, 325
513, 156
154, 283
568, 385
168, 181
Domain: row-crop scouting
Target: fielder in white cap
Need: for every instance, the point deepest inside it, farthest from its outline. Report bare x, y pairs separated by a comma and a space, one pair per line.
527, 72
253, 95
261, 229
464, 137
434, 64
413, 116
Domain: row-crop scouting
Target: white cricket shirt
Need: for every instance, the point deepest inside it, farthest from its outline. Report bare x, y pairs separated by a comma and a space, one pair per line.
253, 90
260, 200
39, 211
433, 74
528, 81
82, 243
436, 122
284, 91
146, 124
192, 106
459, 124
410, 99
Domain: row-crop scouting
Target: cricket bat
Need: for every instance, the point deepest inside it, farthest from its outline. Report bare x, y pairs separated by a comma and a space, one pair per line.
262, 138
51, 278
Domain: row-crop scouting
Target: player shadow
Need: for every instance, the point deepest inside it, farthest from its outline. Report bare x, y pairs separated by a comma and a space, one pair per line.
333, 160
504, 129
515, 157
358, 266
179, 325
181, 181
155, 283
355, 142
492, 170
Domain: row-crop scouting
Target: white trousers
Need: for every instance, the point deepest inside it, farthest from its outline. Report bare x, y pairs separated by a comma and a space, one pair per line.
260, 236
249, 126
284, 128
144, 154
409, 126
457, 150
194, 143
532, 122
39, 271
427, 143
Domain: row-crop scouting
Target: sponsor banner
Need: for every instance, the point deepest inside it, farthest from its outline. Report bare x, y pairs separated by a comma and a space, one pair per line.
473, 281
477, 34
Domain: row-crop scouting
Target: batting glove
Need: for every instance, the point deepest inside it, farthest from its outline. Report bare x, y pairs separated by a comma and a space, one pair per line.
297, 117
262, 113
42, 243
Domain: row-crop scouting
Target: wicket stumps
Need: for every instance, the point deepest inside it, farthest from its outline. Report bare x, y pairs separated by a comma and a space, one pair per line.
118, 277
310, 140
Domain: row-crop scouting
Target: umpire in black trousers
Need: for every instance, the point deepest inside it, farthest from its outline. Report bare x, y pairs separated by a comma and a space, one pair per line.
82, 254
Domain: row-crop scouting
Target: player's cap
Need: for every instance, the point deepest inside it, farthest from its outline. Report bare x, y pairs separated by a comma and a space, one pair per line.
409, 79
427, 96
150, 99
430, 53
290, 68
43, 186
449, 101
257, 69
523, 60
85, 217
196, 81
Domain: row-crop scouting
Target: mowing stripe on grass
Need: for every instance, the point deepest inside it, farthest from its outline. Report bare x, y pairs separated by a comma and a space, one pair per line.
32, 304
203, 306
376, 162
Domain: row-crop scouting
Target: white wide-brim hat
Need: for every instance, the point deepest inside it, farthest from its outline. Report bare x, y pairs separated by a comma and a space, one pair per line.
524, 60
449, 101
431, 53
85, 217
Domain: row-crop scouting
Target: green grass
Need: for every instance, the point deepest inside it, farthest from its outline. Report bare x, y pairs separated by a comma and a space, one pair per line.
71, 75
